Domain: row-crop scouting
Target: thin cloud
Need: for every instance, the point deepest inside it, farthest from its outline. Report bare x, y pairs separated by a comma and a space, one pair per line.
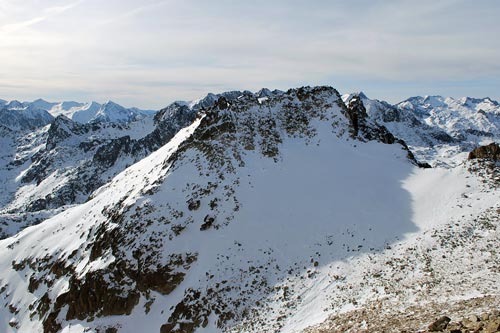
131, 13
13, 27
49, 12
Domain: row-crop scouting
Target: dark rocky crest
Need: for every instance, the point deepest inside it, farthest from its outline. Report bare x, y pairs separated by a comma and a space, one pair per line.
490, 152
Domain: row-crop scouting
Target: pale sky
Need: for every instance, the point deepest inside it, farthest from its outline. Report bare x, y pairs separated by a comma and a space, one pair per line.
149, 53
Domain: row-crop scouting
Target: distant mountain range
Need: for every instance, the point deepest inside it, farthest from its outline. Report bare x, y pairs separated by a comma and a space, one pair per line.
17, 115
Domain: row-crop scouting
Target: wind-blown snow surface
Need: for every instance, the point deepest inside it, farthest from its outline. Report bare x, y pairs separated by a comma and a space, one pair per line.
262, 212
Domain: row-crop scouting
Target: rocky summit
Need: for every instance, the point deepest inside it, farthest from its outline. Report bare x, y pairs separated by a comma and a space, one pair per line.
277, 211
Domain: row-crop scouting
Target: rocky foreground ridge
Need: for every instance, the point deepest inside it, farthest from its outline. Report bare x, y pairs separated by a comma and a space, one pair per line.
479, 314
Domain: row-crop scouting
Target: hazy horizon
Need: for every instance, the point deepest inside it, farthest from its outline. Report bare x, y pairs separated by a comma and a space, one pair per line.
148, 54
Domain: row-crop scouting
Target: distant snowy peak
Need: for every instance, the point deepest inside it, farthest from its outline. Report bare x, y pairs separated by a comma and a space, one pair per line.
16, 117
95, 112
458, 117
464, 104
112, 112
482, 105
14, 104
40, 104
479, 102
80, 112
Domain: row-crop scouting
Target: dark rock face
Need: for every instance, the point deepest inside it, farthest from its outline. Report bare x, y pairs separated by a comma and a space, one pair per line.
193, 316
168, 122
107, 155
94, 296
62, 128
490, 152
109, 292
365, 129
356, 112
479, 133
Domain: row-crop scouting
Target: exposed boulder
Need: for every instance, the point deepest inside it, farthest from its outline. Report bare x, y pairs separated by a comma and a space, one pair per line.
440, 324
490, 152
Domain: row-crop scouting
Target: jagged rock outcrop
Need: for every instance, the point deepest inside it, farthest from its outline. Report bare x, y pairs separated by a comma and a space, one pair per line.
440, 324
107, 155
62, 128
487, 322
489, 152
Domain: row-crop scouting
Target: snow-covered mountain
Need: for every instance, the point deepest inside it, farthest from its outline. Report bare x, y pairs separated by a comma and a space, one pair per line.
15, 116
469, 121
247, 212
440, 131
95, 112
464, 119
